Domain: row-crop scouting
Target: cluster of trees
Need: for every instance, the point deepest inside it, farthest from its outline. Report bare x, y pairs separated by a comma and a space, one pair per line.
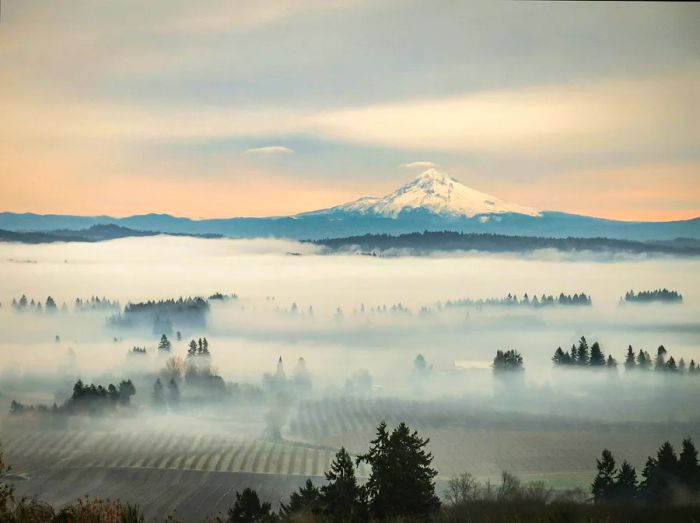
222, 297
96, 303
431, 241
85, 399
198, 348
400, 486
583, 356
507, 362
526, 301
662, 295
643, 361
666, 479
139, 351
49, 305
162, 314
25, 304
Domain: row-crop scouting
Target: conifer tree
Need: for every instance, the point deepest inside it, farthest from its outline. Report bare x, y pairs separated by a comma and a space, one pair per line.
342, 497
306, 500
401, 483
248, 509
630, 364
604, 482
611, 363
597, 358
671, 365
559, 357
192, 349
688, 467
582, 354
660, 362
164, 344
626, 483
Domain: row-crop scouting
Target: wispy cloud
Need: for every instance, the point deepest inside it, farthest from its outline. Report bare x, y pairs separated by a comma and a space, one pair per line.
418, 165
269, 150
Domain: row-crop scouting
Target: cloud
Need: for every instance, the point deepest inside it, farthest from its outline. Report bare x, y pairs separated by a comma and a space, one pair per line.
629, 114
418, 165
270, 150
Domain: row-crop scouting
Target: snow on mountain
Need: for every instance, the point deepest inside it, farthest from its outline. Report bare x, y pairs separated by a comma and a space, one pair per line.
436, 192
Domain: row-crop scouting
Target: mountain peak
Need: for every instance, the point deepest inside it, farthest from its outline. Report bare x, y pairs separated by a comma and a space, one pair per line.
436, 192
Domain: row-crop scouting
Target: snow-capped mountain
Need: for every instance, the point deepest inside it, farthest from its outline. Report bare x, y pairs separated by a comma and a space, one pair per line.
435, 192
431, 202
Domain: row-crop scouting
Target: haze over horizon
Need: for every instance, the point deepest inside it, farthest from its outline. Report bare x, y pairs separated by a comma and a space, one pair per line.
224, 109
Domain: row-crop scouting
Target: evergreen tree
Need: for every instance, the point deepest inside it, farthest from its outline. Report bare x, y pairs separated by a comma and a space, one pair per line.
604, 482
199, 346
692, 369
50, 305
401, 482
306, 500
671, 365
660, 476
342, 497
582, 354
688, 467
629, 360
625, 488
192, 349
205, 347
248, 509
611, 363
597, 358
164, 344
559, 357
573, 355
660, 362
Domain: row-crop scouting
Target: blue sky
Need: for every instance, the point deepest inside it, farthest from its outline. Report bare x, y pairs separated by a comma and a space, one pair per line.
128, 107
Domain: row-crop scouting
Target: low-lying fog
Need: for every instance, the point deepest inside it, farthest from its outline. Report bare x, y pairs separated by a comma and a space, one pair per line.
293, 301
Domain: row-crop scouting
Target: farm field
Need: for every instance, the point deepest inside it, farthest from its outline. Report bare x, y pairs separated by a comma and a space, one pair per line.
559, 451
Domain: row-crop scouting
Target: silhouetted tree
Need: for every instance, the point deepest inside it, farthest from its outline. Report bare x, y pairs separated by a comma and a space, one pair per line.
597, 358
630, 364
625, 488
582, 354
192, 349
401, 482
604, 482
306, 500
688, 467
343, 499
660, 362
248, 509
611, 363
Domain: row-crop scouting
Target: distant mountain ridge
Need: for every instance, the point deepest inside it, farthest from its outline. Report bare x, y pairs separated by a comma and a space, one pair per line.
431, 202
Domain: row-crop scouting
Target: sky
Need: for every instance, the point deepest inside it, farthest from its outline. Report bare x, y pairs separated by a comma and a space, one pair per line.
230, 108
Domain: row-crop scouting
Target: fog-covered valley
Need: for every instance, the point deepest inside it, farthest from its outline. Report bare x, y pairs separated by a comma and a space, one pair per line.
306, 351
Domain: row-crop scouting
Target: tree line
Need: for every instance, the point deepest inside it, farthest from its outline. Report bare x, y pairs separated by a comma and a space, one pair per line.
84, 399
666, 479
582, 355
659, 295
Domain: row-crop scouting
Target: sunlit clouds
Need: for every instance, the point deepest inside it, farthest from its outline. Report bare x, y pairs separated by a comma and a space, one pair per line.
310, 101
